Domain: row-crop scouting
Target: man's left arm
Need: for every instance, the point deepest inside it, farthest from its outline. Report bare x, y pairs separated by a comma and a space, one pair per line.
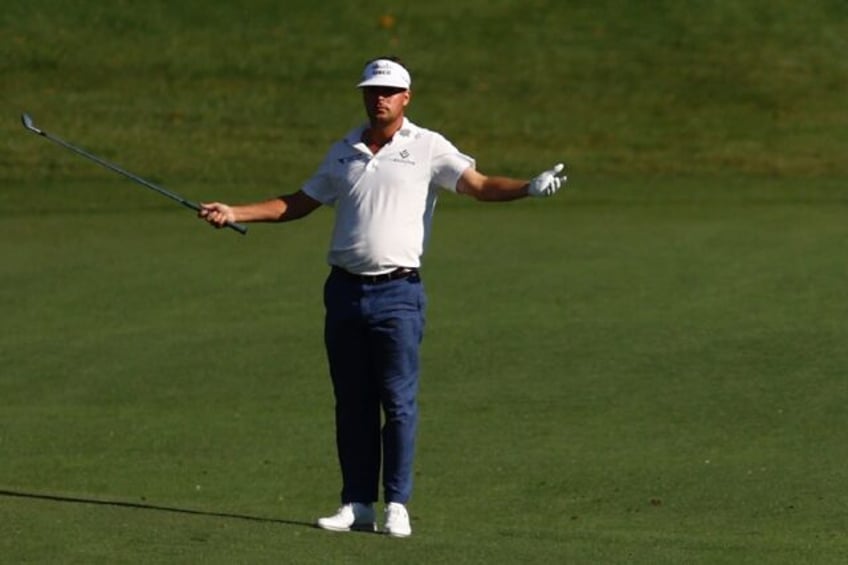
501, 189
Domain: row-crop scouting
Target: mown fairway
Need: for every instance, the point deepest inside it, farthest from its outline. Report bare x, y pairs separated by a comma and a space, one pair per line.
648, 368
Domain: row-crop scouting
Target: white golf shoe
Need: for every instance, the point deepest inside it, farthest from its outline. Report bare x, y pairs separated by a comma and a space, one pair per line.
353, 516
397, 521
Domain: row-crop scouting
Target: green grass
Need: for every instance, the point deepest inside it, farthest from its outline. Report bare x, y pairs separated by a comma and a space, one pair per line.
647, 368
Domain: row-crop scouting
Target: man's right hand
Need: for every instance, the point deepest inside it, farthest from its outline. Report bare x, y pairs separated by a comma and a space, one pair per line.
217, 214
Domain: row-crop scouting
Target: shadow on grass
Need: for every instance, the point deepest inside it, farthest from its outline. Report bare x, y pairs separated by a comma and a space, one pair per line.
145, 506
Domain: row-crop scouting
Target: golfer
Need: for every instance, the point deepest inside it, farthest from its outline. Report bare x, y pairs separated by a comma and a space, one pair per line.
383, 179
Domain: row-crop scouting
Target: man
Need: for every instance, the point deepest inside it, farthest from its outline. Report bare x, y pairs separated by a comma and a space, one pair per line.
383, 179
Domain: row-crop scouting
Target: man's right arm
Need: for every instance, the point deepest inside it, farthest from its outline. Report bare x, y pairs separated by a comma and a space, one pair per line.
283, 209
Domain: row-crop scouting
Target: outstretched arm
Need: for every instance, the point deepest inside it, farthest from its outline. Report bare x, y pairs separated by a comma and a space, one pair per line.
501, 189
283, 209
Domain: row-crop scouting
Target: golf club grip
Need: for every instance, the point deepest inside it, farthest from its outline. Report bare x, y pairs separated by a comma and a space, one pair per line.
242, 229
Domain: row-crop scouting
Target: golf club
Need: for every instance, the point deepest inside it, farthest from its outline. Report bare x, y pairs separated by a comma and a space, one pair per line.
26, 119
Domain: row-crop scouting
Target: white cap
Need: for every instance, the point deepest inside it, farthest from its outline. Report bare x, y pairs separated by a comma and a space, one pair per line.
384, 72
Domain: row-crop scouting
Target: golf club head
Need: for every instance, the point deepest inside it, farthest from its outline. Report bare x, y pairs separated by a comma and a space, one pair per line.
26, 119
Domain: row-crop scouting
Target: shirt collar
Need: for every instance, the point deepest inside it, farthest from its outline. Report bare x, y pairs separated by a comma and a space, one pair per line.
404, 135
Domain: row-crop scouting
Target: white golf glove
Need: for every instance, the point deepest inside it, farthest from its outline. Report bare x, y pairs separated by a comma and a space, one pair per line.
547, 183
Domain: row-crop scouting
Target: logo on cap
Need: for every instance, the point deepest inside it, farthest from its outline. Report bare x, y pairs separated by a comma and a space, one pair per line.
384, 72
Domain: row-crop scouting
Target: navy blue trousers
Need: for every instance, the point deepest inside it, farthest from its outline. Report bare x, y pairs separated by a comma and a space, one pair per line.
373, 334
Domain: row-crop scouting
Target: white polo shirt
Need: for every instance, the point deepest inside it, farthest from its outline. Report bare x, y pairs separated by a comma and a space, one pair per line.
384, 203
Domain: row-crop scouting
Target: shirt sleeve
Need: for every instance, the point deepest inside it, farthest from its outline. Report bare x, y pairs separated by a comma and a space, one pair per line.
320, 186
448, 163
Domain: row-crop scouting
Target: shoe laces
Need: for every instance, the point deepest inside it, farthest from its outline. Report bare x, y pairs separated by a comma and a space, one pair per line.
396, 511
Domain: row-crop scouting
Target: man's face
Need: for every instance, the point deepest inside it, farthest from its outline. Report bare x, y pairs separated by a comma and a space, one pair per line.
384, 104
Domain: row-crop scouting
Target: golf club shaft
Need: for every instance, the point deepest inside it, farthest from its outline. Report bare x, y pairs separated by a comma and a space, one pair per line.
112, 167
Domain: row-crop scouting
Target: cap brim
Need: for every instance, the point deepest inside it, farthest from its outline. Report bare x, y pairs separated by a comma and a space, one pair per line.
382, 81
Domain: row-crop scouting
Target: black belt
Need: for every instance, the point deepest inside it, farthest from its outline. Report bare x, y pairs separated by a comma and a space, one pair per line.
399, 273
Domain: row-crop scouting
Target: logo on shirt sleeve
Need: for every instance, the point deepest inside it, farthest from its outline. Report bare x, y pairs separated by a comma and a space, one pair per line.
352, 158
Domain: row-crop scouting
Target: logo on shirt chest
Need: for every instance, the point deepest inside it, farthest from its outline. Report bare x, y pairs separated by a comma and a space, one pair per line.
403, 157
